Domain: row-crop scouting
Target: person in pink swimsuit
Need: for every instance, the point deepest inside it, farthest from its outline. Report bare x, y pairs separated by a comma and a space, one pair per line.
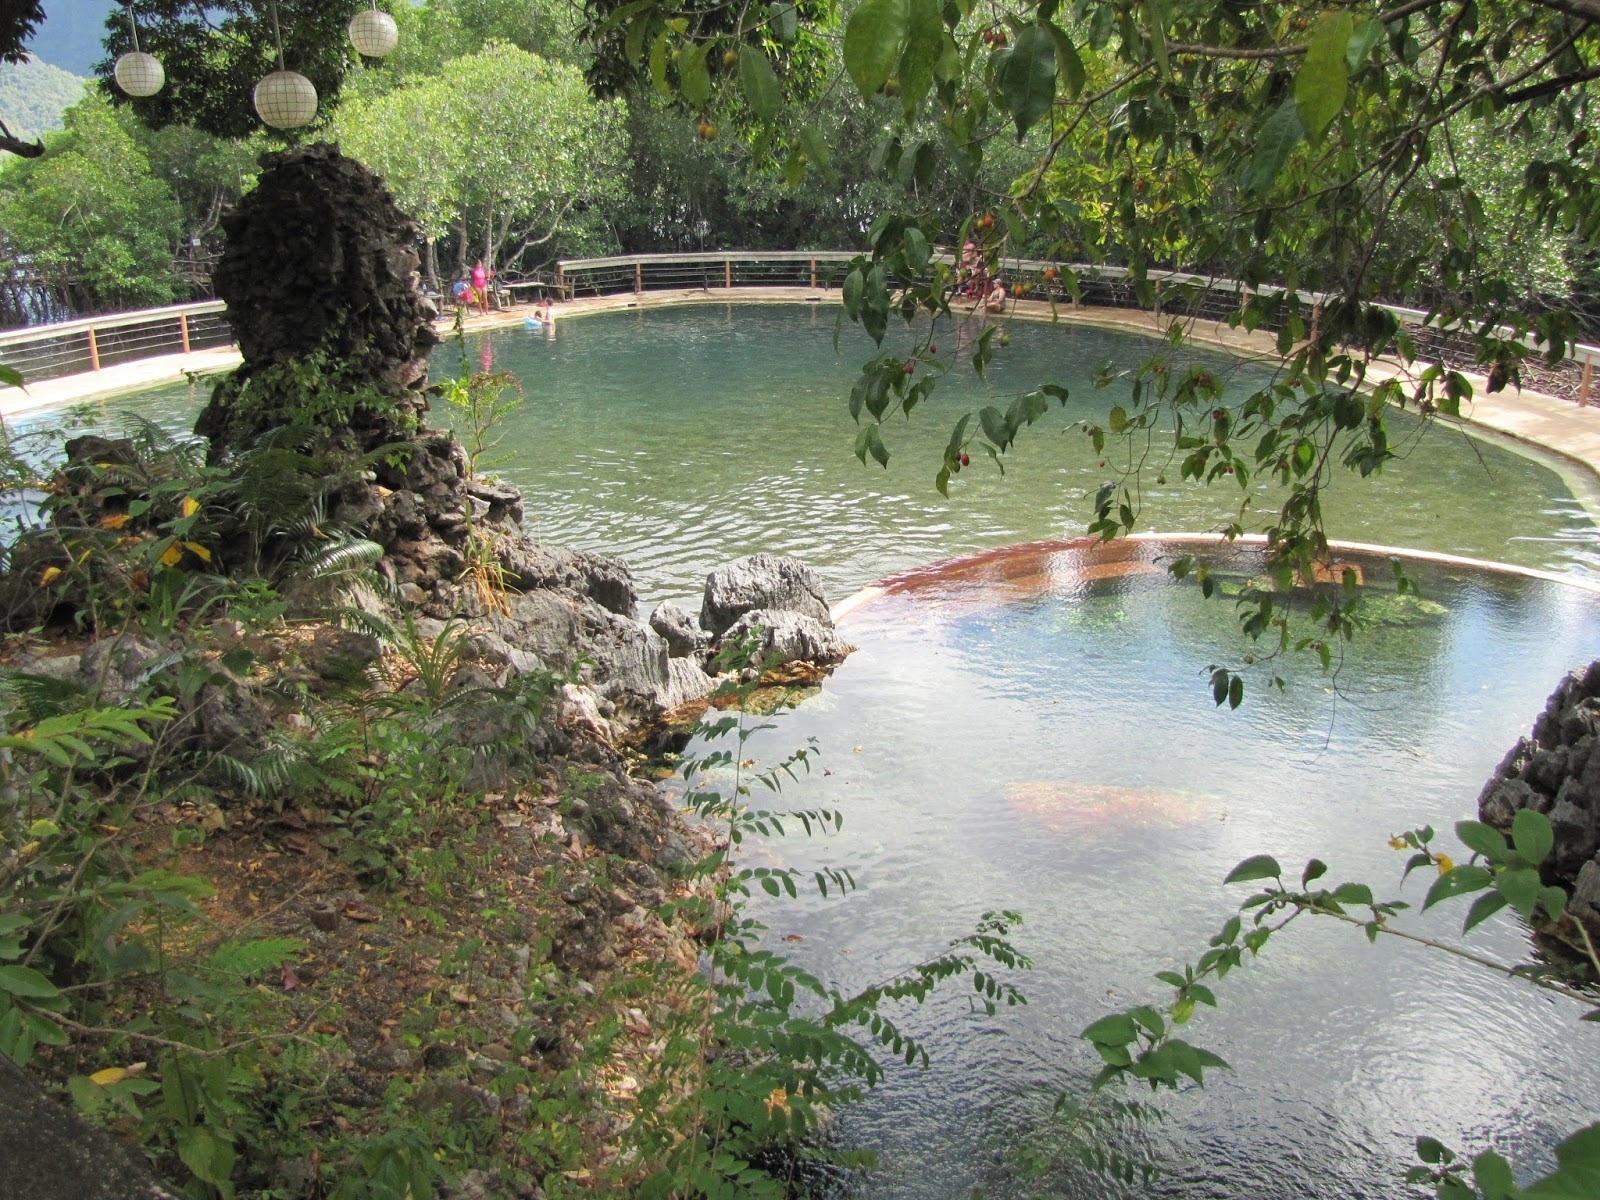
480, 285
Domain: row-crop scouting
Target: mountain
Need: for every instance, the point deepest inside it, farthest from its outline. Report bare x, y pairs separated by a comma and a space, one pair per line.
33, 95
71, 33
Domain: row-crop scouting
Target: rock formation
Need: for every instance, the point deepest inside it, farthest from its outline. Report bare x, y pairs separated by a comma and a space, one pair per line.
1556, 771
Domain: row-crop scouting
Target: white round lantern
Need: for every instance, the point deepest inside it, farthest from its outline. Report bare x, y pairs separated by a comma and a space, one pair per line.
285, 99
373, 33
140, 74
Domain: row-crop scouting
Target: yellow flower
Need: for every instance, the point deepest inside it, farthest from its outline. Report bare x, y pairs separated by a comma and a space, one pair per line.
114, 520
1445, 863
189, 507
779, 1098
1397, 842
50, 575
172, 556
199, 551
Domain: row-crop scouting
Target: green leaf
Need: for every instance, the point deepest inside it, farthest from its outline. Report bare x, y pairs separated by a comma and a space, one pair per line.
10, 376
785, 20
1484, 907
1521, 887
1493, 1176
1482, 839
1457, 883
1554, 902
1324, 76
817, 151
1363, 38
761, 86
1116, 1030
1068, 61
1028, 78
1352, 893
925, 44
1578, 1175
1261, 866
873, 41
1532, 835
25, 981
1276, 140
693, 80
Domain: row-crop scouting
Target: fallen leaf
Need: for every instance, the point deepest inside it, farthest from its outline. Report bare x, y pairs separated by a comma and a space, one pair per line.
108, 1076
291, 981
360, 912
293, 841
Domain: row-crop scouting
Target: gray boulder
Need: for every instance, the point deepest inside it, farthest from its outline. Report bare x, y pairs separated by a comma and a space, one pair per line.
531, 565
50, 1153
770, 582
676, 625
792, 636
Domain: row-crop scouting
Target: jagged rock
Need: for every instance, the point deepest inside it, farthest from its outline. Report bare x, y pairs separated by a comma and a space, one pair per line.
791, 636
529, 565
115, 667
773, 582
50, 1153
1586, 891
686, 683
226, 719
677, 625
341, 655
1556, 771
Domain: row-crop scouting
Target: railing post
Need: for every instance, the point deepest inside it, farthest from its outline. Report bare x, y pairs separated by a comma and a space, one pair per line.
727, 274
183, 330
561, 282
813, 274
94, 351
1583, 387
638, 277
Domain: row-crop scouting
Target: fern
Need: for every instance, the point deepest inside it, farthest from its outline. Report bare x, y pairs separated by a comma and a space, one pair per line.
247, 959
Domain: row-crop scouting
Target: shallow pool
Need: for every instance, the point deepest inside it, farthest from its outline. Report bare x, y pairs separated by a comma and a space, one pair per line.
1020, 734
681, 438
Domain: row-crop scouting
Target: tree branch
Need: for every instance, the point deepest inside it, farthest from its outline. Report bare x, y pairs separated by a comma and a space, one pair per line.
22, 149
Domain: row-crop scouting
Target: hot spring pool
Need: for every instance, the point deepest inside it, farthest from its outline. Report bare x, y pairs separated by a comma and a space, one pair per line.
1020, 735
681, 438
1033, 730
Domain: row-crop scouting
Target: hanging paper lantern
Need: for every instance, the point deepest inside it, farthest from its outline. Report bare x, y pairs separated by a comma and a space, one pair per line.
373, 33
140, 74
285, 99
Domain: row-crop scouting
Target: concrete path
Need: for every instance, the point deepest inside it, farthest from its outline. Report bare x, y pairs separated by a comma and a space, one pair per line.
1533, 418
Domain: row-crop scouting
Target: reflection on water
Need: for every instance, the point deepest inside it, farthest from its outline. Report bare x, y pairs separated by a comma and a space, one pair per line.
1033, 741
682, 438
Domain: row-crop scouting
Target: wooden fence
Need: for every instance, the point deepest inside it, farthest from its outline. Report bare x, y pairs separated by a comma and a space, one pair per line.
93, 343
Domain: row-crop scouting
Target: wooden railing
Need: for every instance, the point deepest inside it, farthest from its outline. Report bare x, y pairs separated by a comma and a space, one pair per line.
1175, 292
93, 343
48, 351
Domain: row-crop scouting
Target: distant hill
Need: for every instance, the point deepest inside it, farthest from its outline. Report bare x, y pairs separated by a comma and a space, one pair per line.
33, 95
71, 34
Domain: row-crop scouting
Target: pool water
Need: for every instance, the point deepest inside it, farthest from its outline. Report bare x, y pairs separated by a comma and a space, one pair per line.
1018, 734
681, 438
1032, 734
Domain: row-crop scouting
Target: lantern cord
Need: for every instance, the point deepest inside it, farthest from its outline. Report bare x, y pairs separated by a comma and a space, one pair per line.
277, 38
134, 26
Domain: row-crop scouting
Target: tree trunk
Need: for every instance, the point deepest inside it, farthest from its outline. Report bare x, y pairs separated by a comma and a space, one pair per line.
430, 263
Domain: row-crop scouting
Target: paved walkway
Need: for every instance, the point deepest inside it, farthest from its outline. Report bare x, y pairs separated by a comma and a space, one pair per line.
1533, 418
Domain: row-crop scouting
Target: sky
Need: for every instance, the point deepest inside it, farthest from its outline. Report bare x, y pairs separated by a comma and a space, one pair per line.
70, 36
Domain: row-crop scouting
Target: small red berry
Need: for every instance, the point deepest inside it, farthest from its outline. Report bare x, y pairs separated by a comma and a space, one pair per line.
966, 460
932, 349
1217, 414
909, 368
1102, 462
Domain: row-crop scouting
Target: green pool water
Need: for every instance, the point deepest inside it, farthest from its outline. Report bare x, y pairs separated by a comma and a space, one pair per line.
681, 438
1052, 747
